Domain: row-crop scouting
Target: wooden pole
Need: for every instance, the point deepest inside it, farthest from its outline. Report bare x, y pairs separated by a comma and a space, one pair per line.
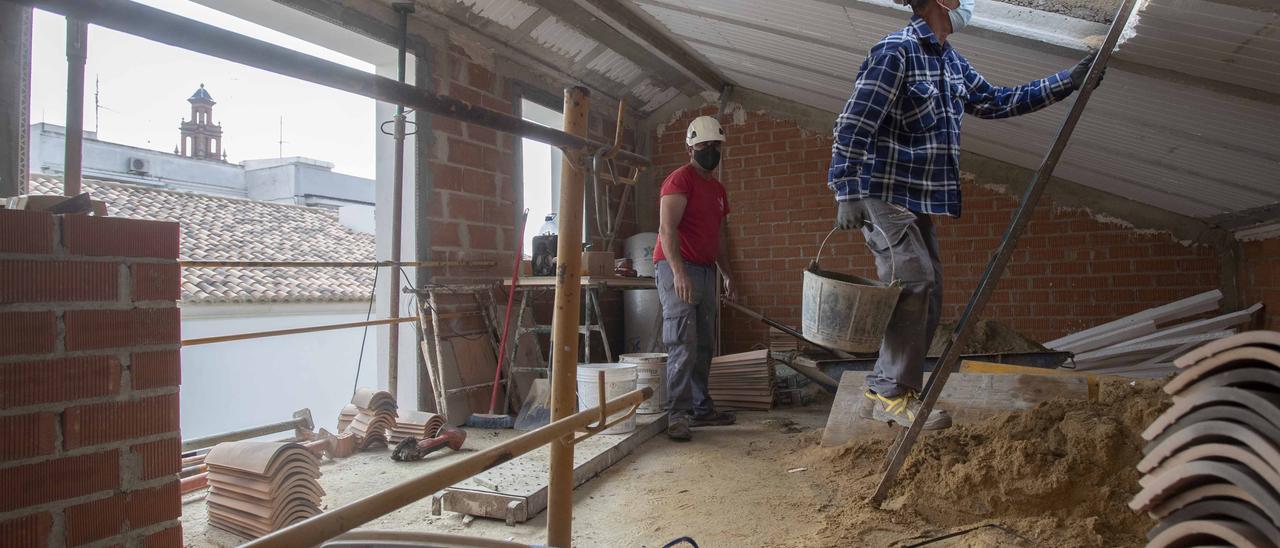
334, 522
564, 322
294, 331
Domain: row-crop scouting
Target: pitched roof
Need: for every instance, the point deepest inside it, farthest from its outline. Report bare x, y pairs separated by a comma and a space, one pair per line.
216, 228
201, 95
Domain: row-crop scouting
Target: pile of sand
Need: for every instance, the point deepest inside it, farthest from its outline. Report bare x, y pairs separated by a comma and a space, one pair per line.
988, 337
1059, 474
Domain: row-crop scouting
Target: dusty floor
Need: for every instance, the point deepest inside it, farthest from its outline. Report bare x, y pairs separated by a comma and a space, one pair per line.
663, 491
1057, 475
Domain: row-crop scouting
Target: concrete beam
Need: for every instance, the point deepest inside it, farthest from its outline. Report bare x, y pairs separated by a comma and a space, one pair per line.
638, 28
15, 96
606, 33
1246, 218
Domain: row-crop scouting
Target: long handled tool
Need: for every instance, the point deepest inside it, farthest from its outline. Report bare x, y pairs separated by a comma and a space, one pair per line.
492, 419
780, 327
995, 268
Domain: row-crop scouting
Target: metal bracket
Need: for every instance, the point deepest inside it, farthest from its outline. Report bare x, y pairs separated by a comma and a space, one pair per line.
603, 423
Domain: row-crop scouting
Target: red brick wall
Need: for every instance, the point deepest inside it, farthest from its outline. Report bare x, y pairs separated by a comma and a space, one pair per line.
89, 374
1070, 271
472, 204
1260, 277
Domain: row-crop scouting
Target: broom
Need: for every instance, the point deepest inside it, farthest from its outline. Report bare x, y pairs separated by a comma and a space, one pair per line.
492, 419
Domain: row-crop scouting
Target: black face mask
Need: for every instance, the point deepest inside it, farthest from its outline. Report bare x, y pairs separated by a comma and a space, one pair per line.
707, 158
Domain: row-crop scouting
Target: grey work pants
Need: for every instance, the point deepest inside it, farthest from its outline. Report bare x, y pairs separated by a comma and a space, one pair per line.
908, 250
688, 333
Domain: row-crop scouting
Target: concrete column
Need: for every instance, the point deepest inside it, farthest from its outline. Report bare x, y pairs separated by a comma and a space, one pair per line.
15, 97
385, 151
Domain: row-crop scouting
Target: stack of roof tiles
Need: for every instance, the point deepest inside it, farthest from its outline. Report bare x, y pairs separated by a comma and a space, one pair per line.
1212, 464
742, 381
345, 416
258, 487
415, 424
375, 415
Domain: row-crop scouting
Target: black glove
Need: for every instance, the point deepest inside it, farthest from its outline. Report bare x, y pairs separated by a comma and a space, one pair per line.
1082, 69
852, 214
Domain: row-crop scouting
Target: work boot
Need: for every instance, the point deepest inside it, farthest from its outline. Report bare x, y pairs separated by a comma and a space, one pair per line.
866, 408
678, 427
903, 410
714, 418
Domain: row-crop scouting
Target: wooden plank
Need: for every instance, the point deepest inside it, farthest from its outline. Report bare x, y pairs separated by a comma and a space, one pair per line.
967, 396
1198, 327
1110, 338
1197, 304
516, 491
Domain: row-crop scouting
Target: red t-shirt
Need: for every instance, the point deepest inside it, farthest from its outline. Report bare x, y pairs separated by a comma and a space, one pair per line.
699, 229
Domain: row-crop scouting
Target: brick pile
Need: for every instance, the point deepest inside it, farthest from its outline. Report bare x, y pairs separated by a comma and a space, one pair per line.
89, 375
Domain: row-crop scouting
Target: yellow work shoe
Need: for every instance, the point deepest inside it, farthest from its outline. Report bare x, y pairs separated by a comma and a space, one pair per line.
903, 409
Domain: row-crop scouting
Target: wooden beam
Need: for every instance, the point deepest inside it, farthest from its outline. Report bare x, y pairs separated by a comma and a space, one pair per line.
1109, 338
600, 30
1207, 325
1196, 304
655, 43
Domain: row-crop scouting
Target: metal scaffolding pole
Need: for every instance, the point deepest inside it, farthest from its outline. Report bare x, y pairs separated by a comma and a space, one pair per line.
397, 213
564, 322
167, 28
77, 52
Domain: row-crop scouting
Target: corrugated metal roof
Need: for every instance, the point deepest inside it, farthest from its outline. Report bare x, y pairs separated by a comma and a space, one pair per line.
1187, 123
615, 67
563, 39
508, 13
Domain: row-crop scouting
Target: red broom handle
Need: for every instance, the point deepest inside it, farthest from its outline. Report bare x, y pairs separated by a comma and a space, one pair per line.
506, 322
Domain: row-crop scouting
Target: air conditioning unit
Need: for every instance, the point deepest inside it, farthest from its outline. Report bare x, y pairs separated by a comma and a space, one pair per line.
140, 166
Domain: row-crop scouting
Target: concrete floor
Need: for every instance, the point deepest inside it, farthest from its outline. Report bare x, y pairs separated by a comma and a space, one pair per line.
728, 487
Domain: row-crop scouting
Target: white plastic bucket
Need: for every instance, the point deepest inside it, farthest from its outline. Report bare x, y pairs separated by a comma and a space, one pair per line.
619, 378
651, 371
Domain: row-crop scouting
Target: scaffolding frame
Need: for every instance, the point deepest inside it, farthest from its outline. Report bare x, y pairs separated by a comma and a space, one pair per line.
160, 26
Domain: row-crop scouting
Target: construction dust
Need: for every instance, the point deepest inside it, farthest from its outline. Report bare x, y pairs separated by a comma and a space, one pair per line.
1059, 474
988, 337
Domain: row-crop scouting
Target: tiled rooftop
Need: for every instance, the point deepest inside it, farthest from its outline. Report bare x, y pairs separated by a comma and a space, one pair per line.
216, 228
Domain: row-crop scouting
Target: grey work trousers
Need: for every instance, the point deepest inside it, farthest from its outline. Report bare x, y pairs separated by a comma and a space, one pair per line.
908, 250
688, 332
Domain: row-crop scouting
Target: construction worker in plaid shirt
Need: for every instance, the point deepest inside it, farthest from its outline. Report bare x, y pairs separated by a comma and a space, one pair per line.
896, 162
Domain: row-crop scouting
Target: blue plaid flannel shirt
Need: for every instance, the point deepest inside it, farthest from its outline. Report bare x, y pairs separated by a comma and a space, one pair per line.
898, 138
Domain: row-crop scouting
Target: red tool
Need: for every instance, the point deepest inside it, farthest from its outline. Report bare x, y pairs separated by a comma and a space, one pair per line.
410, 449
492, 419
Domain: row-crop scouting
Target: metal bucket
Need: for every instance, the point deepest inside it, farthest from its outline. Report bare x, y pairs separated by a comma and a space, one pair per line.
846, 312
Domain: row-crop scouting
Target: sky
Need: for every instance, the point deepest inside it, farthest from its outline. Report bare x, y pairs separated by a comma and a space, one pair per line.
144, 86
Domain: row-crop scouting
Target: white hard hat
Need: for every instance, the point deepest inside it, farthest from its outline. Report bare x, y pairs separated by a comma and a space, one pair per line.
703, 128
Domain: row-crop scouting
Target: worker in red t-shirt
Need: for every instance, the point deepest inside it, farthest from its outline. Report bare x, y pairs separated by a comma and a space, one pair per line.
690, 247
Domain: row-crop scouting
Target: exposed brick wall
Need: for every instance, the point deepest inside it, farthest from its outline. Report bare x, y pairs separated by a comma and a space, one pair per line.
1260, 277
1069, 272
89, 373
475, 191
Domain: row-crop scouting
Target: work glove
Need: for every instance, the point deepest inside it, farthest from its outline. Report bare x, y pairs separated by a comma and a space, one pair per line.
1082, 69
852, 214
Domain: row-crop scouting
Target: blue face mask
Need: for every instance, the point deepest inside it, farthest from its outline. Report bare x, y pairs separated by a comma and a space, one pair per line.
961, 15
